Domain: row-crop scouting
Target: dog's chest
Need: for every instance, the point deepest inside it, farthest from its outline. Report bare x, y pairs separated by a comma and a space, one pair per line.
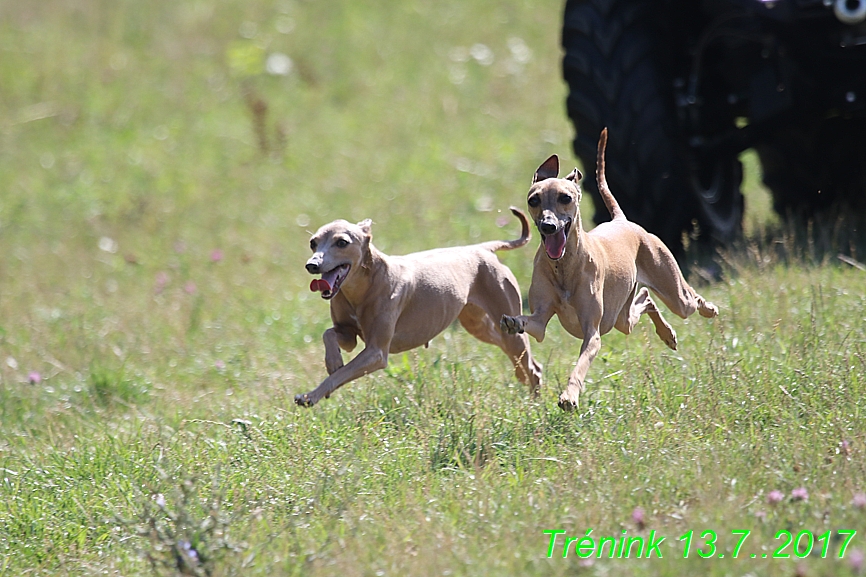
568, 315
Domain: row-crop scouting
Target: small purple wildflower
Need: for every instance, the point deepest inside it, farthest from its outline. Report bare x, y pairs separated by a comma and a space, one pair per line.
219, 365
762, 515
189, 287
160, 282
186, 547
800, 494
859, 500
775, 496
34, 378
638, 517
856, 559
216, 255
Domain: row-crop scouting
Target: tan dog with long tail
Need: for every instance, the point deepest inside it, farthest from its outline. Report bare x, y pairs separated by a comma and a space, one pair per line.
590, 279
397, 303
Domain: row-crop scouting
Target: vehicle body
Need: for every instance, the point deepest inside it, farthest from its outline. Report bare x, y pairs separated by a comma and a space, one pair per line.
685, 86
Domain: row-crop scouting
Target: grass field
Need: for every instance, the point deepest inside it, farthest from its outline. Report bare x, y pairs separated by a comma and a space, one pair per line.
162, 164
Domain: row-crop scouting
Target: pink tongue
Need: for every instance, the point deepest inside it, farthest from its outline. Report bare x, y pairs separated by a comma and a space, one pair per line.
319, 285
554, 244
329, 279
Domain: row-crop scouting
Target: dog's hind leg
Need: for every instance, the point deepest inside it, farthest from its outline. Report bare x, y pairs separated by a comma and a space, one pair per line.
682, 299
658, 269
644, 304
480, 325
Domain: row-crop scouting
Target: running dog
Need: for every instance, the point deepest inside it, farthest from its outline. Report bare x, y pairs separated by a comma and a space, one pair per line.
590, 279
397, 303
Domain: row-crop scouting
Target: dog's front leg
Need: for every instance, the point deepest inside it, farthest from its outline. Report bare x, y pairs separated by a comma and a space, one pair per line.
371, 359
534, 324
570, 397
333, 356
541, 304
335, 339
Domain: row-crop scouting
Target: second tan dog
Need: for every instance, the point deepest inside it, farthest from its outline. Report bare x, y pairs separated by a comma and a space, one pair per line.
397, 303
590, 279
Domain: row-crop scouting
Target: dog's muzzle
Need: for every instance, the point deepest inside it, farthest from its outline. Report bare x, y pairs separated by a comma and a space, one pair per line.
329, 284
314, 264
547, 226
553, 236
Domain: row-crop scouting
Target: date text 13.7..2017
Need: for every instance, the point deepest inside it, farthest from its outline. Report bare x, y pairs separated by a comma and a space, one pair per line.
705, 544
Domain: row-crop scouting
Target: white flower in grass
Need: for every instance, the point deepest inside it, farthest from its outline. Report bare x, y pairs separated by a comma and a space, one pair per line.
482, 54
519, 50
107, 244
278, 64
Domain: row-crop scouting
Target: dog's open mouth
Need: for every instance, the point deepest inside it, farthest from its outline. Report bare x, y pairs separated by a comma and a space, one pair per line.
329, 284
554, 244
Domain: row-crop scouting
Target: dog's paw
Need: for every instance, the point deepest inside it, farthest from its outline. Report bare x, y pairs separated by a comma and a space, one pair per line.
709, 310
669, 337
304, 400
569, 402
511, 325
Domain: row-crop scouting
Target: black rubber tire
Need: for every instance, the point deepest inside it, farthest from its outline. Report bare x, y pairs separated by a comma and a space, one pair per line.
617, 68
715, 183
816, 167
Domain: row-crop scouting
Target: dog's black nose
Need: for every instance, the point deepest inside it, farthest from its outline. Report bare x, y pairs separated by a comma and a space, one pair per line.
312, 268
547, 227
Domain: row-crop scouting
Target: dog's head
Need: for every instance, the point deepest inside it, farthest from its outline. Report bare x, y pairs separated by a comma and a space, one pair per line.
554, 205
338, 248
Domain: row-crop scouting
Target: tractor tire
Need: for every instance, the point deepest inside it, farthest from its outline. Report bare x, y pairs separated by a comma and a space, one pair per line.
617, 67
814, 168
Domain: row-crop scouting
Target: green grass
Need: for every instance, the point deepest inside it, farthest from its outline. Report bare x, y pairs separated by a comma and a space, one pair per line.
137, 138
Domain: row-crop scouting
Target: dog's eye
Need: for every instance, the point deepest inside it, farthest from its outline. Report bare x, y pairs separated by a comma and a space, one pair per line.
563, 199
313, 245
533, 201
342, 243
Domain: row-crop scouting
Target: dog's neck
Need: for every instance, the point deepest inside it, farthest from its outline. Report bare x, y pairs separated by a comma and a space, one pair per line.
362, 278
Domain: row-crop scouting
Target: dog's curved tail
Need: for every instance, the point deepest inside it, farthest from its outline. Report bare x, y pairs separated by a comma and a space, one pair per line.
494, 245
606, 195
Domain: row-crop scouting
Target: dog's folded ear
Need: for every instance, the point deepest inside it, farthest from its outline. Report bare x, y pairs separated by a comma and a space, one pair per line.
365, 225
548, 169
575, 176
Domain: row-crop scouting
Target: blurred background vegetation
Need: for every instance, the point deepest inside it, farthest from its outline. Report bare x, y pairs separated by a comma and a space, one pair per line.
140, 140
162, 164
